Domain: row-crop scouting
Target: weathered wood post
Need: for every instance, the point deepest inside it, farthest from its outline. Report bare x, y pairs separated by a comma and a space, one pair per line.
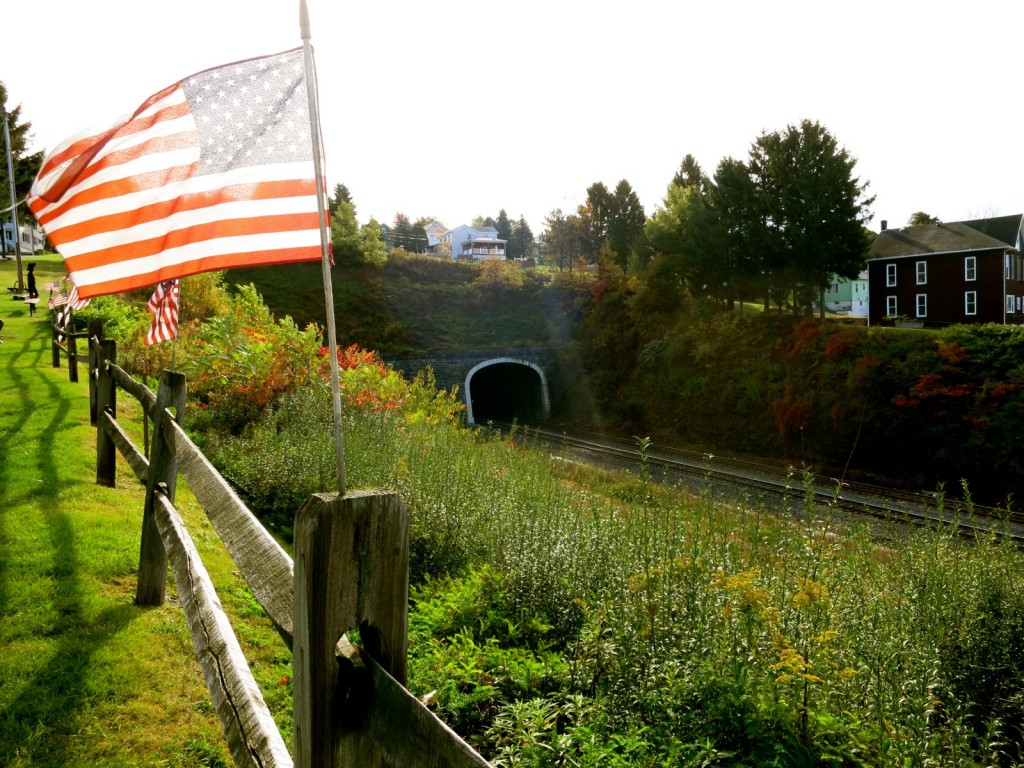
161, 478
72, 355
351, 572
106, 402
54, 345
95, 334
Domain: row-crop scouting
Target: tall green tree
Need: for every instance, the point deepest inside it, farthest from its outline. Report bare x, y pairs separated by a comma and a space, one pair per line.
594, 214
520, 243
625, 241
350, 243
563, 239
503, 225
700, 233
807, 222
26, 164
341, 195
672, 231
408, 235
690, 174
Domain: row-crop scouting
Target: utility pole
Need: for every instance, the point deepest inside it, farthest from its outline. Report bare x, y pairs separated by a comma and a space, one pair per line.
14, 202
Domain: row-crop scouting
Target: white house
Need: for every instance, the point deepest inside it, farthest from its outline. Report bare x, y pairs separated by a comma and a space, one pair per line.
474, 243
32, 239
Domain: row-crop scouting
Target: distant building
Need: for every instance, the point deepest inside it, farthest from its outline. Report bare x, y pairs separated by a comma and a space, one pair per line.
33, 240
848, 297
466, 243
941, 274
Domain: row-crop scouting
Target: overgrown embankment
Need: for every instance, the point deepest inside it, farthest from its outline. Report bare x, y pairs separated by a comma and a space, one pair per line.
906, 406
416, 304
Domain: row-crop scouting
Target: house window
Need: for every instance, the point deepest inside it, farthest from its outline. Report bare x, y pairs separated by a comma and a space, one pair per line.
1007, 261
890, 275
922, 272
890, 306
970, 268
971, 303
1009, 304
922, 305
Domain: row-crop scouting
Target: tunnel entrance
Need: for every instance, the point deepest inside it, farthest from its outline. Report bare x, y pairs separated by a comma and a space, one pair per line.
506, 390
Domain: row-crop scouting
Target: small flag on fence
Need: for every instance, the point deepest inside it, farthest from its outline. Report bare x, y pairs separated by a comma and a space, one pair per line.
75, 302
57, 300
213, 172
163, 305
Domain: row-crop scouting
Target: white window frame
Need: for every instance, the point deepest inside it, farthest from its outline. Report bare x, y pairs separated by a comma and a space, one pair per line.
890, 275
890, 306
921, 270
921, 305
970, 268
970, 303
1010, 303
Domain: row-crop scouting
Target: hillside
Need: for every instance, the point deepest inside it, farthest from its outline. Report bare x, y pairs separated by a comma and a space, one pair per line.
415, 304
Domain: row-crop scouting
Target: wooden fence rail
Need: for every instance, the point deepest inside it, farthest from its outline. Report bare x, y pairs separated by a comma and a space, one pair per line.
350, 571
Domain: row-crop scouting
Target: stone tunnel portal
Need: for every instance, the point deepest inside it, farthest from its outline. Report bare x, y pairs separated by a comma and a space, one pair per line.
506, 389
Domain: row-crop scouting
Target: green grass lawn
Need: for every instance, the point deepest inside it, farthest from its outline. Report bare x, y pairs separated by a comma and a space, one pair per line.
87, 678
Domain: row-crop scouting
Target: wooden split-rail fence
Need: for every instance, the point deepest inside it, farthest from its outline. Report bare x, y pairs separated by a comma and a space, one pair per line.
350, 571
65, 340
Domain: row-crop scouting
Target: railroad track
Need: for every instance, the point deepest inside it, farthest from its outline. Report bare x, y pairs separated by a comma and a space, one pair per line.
783, 484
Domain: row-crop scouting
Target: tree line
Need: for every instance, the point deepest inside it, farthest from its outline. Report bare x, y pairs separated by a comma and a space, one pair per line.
776, 227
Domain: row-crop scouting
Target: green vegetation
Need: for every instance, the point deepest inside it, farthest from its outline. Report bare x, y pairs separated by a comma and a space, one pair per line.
566, 616
560, 615
416, 303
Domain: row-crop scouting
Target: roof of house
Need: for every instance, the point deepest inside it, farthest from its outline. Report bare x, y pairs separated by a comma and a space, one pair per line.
959, 236
1005, 228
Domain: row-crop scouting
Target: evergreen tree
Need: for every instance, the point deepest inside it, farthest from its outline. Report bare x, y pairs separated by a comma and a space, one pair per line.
409, 236
809, 210
521, 241
626, 220
503, 226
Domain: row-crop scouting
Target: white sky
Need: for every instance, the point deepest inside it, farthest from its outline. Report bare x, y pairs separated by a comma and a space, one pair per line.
459, 108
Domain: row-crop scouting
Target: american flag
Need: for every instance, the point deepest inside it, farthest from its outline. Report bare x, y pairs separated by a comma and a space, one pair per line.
213, 172
163, 305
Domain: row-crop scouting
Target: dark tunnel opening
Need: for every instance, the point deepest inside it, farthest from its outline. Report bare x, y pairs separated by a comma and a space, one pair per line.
506, 392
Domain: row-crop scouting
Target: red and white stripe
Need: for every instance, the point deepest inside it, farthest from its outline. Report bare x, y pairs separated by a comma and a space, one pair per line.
163, 305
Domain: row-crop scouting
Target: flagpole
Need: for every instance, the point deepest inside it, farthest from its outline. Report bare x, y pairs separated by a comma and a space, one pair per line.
14, 202
325, 261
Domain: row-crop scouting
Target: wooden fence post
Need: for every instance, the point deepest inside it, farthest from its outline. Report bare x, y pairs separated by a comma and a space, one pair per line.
161, 478
95, 334
106, 402
54, 345
351, 572
72, 357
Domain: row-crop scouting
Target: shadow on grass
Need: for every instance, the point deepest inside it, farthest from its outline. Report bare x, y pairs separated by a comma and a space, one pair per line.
38, 723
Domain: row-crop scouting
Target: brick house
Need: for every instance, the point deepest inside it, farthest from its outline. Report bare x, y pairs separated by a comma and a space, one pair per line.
942, 274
